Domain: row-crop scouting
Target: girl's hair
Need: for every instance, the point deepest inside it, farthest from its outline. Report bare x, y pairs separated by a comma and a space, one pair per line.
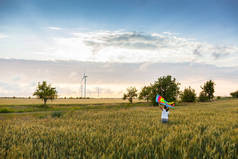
166, 108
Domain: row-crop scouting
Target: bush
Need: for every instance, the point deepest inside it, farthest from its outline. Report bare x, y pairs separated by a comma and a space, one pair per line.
56, 114
188, 95
234, 94
203, 97
5, 110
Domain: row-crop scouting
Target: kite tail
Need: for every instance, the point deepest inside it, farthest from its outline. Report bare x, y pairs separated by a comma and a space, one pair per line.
170, 106
171, 103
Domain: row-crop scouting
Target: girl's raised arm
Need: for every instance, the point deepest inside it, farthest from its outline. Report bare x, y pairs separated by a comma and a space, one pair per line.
160, 107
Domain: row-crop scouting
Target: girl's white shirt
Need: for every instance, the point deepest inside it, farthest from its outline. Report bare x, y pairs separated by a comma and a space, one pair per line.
165, 115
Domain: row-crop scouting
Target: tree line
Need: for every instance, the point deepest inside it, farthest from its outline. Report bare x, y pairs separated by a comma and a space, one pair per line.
168, 87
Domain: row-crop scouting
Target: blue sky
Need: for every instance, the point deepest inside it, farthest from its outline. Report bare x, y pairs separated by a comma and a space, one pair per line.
212, 21
201, 35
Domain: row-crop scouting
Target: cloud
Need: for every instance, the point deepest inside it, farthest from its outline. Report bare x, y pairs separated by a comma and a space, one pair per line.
125, 47
170, 33
136, 47
21, 76
196, 51
54, 28
127, 40
219, 55
2, 36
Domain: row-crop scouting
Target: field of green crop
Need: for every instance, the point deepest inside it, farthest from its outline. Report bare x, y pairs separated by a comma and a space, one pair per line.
25, 101
200, 130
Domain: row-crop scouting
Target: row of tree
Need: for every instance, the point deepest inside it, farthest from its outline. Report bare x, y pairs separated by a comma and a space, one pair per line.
167, 87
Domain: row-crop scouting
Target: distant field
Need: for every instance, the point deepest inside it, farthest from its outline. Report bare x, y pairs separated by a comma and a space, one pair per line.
11, 101
197, 130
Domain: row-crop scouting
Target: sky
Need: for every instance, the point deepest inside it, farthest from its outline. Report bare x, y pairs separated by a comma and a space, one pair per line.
117, 44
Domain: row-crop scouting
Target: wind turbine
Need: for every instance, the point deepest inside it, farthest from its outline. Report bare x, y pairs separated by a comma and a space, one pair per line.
84, 81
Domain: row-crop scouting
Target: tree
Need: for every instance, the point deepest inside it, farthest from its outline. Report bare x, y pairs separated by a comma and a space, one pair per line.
131, 93
165, 86
45, 92
203, 97
188, 95
145, 93
234, 94
208, 89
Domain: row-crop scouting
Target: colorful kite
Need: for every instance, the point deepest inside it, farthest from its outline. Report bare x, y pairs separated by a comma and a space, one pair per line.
159, 99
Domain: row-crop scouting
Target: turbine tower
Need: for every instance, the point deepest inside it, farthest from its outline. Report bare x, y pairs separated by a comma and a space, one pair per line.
84, 84
98, 91
81, 88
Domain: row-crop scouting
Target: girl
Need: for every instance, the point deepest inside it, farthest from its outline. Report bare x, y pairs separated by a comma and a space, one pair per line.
165, 114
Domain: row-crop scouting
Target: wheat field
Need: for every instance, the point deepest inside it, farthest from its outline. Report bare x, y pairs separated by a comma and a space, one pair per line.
200, 130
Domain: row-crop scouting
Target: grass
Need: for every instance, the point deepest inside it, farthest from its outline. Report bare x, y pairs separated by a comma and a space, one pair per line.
56, 114
199, 130
25, 101
64, 107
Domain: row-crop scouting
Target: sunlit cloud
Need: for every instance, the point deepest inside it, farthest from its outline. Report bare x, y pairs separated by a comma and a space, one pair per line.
54, 28
135, 47
2, 36
123, 47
